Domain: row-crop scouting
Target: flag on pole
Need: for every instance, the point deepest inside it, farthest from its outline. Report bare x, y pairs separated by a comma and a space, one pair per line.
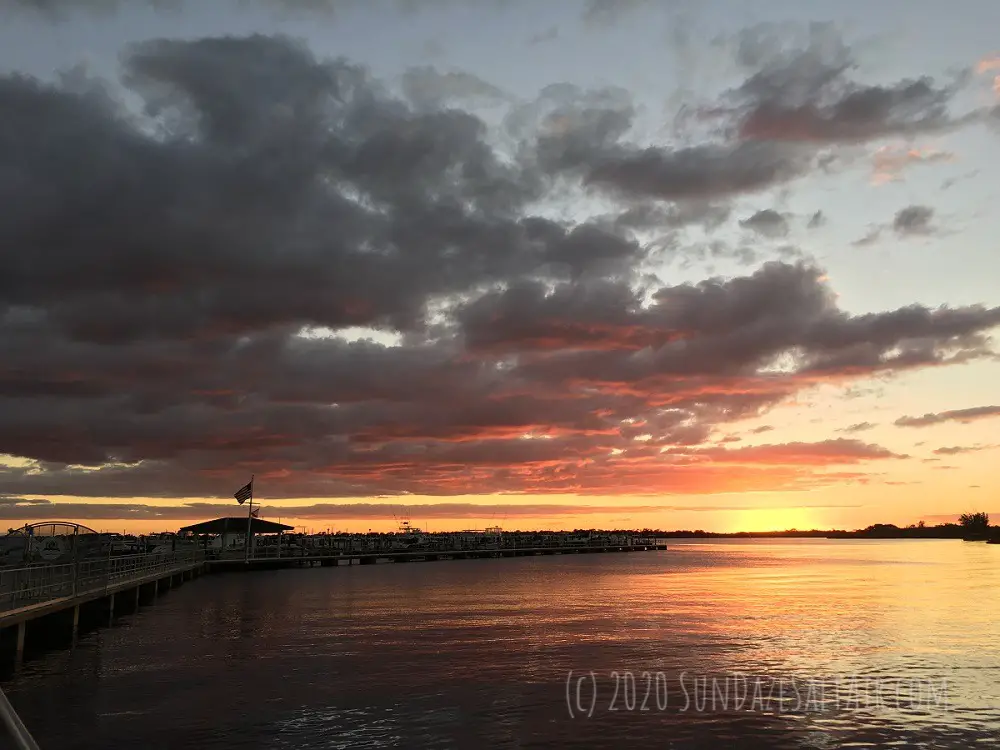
255, 513
244, 492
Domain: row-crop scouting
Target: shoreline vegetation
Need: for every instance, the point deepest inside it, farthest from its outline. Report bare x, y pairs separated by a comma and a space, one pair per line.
971, 527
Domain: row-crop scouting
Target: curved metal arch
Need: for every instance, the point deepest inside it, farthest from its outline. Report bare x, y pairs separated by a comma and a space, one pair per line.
56, 528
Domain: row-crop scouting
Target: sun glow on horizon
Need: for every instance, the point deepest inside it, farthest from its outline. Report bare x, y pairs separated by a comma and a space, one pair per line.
772, 519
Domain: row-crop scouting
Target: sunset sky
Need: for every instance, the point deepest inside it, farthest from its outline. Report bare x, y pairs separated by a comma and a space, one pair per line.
719, 265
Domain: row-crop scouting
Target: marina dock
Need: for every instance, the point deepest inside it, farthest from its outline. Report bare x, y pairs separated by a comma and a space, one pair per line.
46, 605
272, 561
75, 582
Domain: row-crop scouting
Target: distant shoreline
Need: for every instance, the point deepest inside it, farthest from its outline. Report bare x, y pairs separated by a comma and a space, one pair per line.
877, 531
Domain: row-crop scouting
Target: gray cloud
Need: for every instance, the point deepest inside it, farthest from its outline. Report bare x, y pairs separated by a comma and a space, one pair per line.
541, 37
429, 88
605, 12
784, 305
676, 216
827, 452
158, 270
955, 415
261, 131
700, 172
958, 449
59, 10
582, 135
817, 220
768, 223
858, 427
873, 236
596, 13
914, 220
801, 91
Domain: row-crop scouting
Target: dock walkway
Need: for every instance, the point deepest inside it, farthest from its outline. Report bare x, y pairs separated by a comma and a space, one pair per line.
37, 595
46, 604
270, 560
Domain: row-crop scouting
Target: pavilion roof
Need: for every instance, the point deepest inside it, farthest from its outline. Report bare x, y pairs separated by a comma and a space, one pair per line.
237, 524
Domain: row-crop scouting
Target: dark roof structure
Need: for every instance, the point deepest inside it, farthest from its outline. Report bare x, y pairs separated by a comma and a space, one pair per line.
237, 525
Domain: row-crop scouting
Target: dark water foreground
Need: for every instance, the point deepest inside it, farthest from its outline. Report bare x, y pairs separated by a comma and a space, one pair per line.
785, 644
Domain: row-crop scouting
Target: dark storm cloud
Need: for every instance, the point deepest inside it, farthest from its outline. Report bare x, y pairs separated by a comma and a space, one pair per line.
644, 217
583, 135
719, 326
157, 270
805, 93
702, 172
913, 220
639, 474
955, 415
292, 185
768, 223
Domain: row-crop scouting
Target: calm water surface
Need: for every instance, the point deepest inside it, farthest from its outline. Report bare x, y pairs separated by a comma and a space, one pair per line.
870, 644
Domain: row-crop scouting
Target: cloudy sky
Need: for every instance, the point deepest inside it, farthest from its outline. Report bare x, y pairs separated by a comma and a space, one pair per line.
630, 263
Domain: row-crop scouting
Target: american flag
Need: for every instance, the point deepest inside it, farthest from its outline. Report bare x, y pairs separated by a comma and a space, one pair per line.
244, 492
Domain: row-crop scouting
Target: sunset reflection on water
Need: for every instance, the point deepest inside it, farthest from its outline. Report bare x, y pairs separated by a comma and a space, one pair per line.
477, 653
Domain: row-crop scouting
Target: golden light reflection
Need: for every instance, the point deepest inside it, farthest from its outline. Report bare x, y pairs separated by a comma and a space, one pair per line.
901, 607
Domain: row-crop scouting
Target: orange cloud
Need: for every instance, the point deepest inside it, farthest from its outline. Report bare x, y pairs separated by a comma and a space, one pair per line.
839, 451
988, 65
889, 162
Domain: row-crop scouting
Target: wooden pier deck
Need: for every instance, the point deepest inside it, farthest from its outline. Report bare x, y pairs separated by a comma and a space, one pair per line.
41, 604
45, 606
270, 562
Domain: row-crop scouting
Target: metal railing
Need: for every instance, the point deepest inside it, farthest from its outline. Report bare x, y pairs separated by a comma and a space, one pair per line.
22, 737
36, 584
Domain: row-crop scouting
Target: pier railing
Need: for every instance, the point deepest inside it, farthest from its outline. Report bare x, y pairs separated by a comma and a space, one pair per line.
35, 584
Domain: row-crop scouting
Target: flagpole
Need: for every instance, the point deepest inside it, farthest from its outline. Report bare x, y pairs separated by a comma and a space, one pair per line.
246, 557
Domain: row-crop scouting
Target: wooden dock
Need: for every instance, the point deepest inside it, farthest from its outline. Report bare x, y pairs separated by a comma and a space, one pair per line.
271, 562
46, 605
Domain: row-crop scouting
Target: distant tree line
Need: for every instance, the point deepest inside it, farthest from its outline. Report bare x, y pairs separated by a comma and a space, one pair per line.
969, 526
